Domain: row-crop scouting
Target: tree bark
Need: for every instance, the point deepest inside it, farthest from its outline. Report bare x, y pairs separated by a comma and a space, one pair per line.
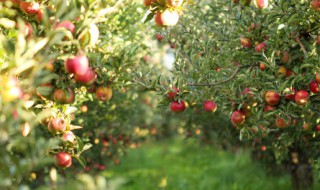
301, 171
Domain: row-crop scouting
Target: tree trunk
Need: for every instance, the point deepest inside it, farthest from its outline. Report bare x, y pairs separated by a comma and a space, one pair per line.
301, 171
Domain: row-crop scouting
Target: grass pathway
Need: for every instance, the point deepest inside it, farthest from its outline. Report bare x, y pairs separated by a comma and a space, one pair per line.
185, 165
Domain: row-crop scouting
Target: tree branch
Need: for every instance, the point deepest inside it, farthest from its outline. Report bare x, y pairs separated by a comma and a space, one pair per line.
302, 47
234, 74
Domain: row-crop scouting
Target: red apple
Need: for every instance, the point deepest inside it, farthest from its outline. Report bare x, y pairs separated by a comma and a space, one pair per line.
261, 4
173, 93
159, 37
166, 18
67, 25
77, 65
318, 128
177, 107
281, 123
236, 1
245, 42
247, 92
314, 86
289, 73
63, 96
315, 4
63, 159
306, 126
70, 96
87, 78
301, 97
269, 108
318, 40
29, 8
318, 77
237, 118
39, 16
147, 3
68, 136
209, 106
289, 93
57, 125
261, 47
104, 93
262, 66
272, 98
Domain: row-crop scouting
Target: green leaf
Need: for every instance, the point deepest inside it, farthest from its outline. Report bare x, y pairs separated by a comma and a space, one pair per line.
149, 17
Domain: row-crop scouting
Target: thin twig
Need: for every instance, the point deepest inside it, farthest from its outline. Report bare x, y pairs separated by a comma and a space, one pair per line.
234, 74
302, 47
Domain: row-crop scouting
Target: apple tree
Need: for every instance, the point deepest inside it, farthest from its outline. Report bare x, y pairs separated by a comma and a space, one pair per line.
258, 62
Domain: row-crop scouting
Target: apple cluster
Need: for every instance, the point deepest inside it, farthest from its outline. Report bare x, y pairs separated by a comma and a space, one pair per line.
165, 12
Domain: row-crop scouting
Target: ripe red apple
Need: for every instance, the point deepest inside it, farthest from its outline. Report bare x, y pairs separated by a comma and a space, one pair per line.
57, 125
173, 93
314, 86
63, 96
262, 66
67, 25
269, 108
318, 40
147, 3
261, 47
315, 4
237, 118
70, 96
289, 93
318, 77
301, 97
289, 73
281, 123
261, 4
209, 106
245, 42
104, 93
173, 46
166, 18
87, 78
39, 16
68, 136
159, 37
247, 92
174, 3
306, 126
318, 128
63, 159
177, 107
29, 8
77, 65
272, 98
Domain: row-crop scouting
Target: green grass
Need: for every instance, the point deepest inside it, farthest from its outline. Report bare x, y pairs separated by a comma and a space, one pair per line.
185, 165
